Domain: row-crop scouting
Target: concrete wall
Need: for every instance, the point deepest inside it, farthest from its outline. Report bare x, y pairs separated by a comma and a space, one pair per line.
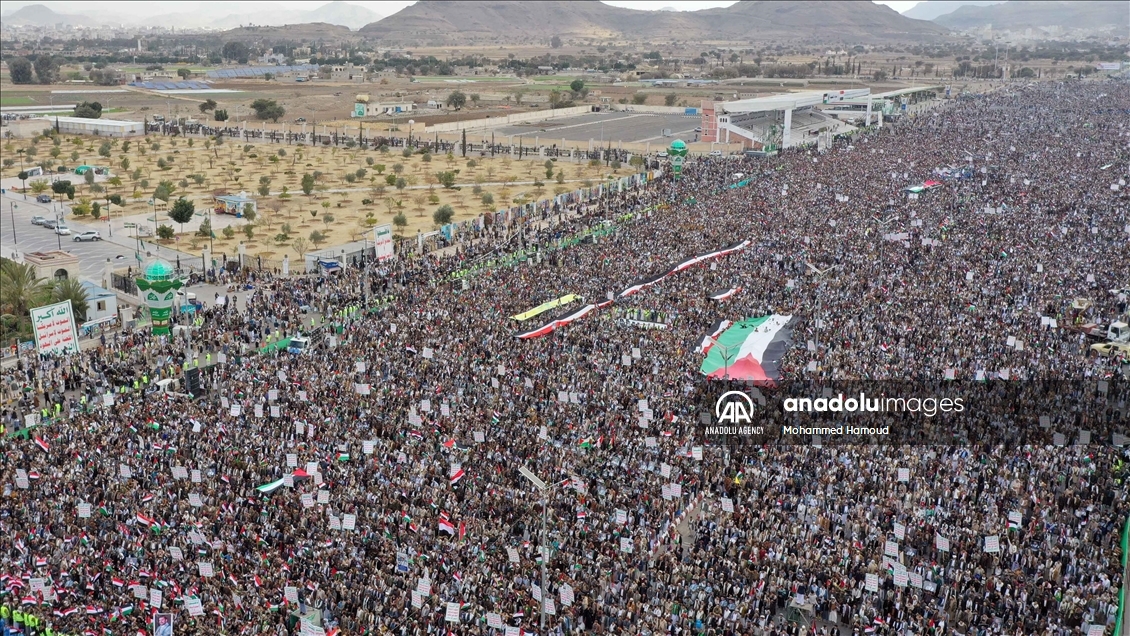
509, 120
644, 108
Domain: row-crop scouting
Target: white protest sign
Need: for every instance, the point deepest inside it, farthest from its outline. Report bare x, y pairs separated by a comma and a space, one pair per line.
205, 568
84, 511
872, 583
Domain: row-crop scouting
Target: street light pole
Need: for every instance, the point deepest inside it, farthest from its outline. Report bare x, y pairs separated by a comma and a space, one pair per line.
540, 485
819, 273
12, 209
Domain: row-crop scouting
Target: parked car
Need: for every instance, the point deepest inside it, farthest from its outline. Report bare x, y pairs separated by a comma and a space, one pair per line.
62, 230
43, 198
662, 154
38, 220
89, 235
715, 153
698, 129
50, 224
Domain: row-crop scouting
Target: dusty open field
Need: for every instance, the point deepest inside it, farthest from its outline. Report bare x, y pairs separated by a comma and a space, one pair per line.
336, 206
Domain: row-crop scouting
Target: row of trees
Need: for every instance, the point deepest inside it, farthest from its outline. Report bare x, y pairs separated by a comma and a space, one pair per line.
45, 67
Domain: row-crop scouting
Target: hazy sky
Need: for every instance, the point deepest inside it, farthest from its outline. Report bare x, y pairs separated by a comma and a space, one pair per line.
383, 7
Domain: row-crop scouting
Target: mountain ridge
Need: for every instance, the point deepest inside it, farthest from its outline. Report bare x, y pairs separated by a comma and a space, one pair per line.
749, 20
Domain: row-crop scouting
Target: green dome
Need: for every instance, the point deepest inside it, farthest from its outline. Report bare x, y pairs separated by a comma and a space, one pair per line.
678, 144
158, 269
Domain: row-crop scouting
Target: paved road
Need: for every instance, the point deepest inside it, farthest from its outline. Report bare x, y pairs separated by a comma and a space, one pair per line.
17, 234
629, 127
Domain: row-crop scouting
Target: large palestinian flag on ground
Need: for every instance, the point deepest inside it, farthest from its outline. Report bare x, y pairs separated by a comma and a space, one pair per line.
749, 350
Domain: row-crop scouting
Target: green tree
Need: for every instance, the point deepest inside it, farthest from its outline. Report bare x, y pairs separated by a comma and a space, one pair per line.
401, 183
39, 186
488, 200
88, 110
19, 69
317, 238
46, 68
207, 105
220, 115
443, 215
182, 212
165, 232
307, 184
639, 98
184, 73
669, 99
577, 85
555, 42
446, 179
267, 109
71, 289
235, 51
228, 232
456, 100
401, 222
248, 230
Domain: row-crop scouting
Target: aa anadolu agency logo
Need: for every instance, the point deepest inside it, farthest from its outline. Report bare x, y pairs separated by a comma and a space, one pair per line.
734, 416
733, 408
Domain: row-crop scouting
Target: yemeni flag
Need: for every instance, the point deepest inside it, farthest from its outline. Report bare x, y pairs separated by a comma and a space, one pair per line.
750, 350
146, 521
456, 476
447, 526
42, 444
724, 294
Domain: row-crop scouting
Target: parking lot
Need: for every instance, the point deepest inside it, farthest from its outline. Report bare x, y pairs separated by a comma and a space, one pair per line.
626, 127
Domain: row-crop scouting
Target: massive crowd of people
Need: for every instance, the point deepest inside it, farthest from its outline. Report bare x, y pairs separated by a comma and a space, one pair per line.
374, 476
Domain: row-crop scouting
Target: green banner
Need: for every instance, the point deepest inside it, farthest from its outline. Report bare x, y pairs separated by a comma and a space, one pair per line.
1123, 592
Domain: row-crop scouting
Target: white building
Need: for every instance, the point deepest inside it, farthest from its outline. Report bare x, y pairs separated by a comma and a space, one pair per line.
102, 304
101, 127
362, 109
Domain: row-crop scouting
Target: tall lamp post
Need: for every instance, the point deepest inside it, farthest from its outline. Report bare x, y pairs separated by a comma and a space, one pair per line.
541, 486
12, 208
410, 124
819, 274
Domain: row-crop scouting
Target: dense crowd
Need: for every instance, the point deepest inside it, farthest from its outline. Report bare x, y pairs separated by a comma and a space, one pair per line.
397, 436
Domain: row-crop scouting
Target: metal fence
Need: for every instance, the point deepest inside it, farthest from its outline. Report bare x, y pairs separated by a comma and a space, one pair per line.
123, 283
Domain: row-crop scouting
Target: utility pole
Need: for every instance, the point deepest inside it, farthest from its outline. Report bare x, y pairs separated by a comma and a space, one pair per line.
540, 485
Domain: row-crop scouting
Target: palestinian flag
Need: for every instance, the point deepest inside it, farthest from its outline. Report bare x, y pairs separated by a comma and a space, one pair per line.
462, 530
456, 476
585, 442
750, 350
42, 444
712, 335
267, 489
724, 294
343, 457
